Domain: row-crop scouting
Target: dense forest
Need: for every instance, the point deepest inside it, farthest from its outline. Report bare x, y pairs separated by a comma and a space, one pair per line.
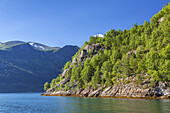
144, 49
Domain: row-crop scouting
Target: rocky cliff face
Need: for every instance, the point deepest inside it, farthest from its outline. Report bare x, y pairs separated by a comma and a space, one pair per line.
123, 88
131, 63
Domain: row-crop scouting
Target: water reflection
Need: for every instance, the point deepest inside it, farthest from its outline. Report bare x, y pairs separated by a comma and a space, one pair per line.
16, 103
120, 105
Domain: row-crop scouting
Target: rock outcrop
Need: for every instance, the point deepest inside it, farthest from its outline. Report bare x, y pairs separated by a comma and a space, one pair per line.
123, 88
160, 90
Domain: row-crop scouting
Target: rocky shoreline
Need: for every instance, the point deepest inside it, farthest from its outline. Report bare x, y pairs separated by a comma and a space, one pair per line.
163, 97
130, 90
143, 87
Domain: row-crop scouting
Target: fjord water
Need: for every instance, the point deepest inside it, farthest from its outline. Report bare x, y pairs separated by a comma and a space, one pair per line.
34, 103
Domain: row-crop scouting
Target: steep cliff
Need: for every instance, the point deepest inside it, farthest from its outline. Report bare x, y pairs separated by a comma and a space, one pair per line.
131, 63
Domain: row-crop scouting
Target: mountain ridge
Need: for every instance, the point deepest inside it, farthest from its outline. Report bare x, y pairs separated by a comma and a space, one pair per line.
21, 63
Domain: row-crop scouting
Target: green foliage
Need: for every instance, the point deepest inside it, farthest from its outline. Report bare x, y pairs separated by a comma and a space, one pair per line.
95, 39
52, 84
61, 86
67, 87
86, 72
142, 49
67, 65
155, 75
96, 78
127, 81
80, 83
46, 86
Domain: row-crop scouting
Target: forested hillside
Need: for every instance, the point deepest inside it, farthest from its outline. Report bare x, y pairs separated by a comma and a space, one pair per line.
25, 67
139, 56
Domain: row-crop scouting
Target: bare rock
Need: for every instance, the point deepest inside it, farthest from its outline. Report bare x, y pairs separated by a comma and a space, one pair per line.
96, 92
64, 81
161, 19
64, 73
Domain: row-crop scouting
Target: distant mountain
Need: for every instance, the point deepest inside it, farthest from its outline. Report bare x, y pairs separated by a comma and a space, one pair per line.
9, 44
42, 47
25, 66
37, 46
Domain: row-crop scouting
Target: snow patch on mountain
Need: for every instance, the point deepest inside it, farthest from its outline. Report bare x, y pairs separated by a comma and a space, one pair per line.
31, 43
36, 46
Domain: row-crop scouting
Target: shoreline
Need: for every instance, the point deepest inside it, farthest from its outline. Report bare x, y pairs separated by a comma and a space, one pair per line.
123, 97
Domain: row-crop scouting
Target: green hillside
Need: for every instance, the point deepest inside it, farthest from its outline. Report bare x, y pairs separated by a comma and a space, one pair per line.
25, 67
142, 52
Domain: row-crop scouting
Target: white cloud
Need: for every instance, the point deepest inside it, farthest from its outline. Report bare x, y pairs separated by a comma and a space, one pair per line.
99, 35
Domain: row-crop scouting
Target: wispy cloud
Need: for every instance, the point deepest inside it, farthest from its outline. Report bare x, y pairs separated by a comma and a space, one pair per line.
99, 35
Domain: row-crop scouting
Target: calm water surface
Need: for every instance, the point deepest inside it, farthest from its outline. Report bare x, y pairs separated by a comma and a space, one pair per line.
34, 103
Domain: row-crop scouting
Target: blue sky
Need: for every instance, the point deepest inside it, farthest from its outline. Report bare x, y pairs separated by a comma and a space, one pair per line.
70, 22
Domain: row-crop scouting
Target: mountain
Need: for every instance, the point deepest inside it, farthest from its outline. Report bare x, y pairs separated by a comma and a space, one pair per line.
43, 47
132, 63
37, 46
26, 66
9, 44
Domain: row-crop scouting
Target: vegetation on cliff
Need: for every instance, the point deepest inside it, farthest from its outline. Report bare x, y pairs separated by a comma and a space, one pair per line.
104, 61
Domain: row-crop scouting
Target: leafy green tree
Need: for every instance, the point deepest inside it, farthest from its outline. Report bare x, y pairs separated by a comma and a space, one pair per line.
107, 77
125, 66
87, 71
106, 67
67, 65
67, 87
151, 60
117, 68
155, 75
96, 78
133, 63
52, 84
46, 86
80, 83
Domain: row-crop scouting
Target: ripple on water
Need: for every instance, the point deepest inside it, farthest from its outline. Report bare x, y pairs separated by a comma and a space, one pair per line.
34, 103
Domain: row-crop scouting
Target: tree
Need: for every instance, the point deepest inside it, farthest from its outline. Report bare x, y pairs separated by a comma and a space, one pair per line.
125, 66
133, 62
52, 84
95, 61
67, 87
80, 83
117, 68
96, 78
67, 65
152, 59
46, 86
107, 77
87, 71
106, 67
155, 75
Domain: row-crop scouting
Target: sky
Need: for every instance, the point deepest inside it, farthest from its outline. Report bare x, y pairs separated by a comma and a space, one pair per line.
70, 22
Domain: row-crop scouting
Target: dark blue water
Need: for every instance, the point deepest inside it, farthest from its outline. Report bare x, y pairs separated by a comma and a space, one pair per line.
34, 103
